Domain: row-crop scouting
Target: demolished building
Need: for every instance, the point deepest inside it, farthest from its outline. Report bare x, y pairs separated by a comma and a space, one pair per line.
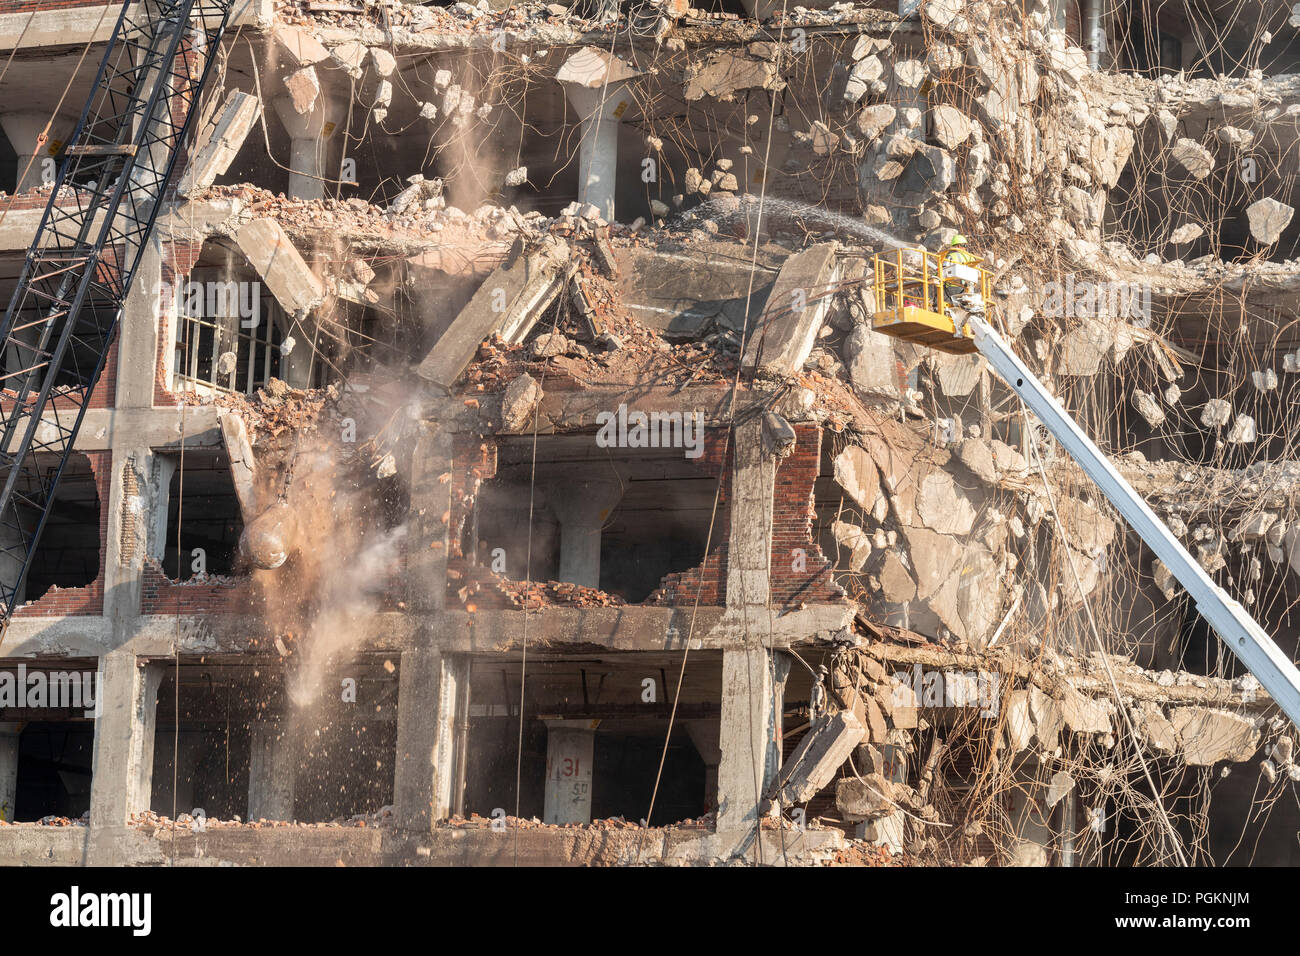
497, 463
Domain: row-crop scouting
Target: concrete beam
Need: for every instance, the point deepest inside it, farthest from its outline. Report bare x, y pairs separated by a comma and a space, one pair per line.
799, 303
220, 142
509, 302
264, 243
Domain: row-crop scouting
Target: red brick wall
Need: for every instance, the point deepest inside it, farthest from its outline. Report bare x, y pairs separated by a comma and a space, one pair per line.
88, 600
161, 595
792, 527
709, 578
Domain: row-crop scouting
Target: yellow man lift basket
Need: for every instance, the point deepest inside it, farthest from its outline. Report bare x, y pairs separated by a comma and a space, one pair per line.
911, 301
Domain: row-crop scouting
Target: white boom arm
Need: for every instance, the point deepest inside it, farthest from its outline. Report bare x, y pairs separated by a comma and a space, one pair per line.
1236, 628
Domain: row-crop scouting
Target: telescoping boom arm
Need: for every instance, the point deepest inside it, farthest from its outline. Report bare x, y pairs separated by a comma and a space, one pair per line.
1231, 622
913, 291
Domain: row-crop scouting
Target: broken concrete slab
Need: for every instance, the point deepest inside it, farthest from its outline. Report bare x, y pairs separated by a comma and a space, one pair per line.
1084, 715
896, 584
299, 46
799, 303
268, 249
1267, 219
509, 302
242, 467
951, 126
856, 473
820, 753
864, 798
220, 141
855, 540
726, 72
1207, 735
944, 507
304, 89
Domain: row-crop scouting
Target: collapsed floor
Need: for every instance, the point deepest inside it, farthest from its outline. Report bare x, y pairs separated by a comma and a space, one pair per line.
498, 444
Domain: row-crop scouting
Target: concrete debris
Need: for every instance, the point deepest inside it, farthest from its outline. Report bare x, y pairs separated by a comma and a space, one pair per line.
723, 74
951, 126
1268, 218
304, 88
519, 401
853, 538
1242, 431
299, 47
820, 754
1216, 413
796, 308
264, 243
856, 473
1148, 407
1059, 787
1207, 736
1187, 232
943, 506
508, 304
1193, 157
220, 141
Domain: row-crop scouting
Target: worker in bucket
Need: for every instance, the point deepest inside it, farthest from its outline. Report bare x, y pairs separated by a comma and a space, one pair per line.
961, 291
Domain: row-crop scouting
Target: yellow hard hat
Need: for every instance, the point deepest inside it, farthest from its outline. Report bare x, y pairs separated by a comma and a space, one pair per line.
957, 240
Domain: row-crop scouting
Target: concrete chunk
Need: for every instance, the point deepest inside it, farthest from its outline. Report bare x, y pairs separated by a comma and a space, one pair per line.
304, 89
264, 243
1193, 157
796, 308
1208, 735
1268, 218
220, 141
855, 472
820, 753
301, 48
509, 302
240, 453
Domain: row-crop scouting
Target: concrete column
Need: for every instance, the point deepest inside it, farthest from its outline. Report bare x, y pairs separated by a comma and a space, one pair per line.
309, 134
596, 85
9, 737
272, 771
582, 508
22, 129
749, 734
429, 686
749, 549
426, 559
122, 767
570, 746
